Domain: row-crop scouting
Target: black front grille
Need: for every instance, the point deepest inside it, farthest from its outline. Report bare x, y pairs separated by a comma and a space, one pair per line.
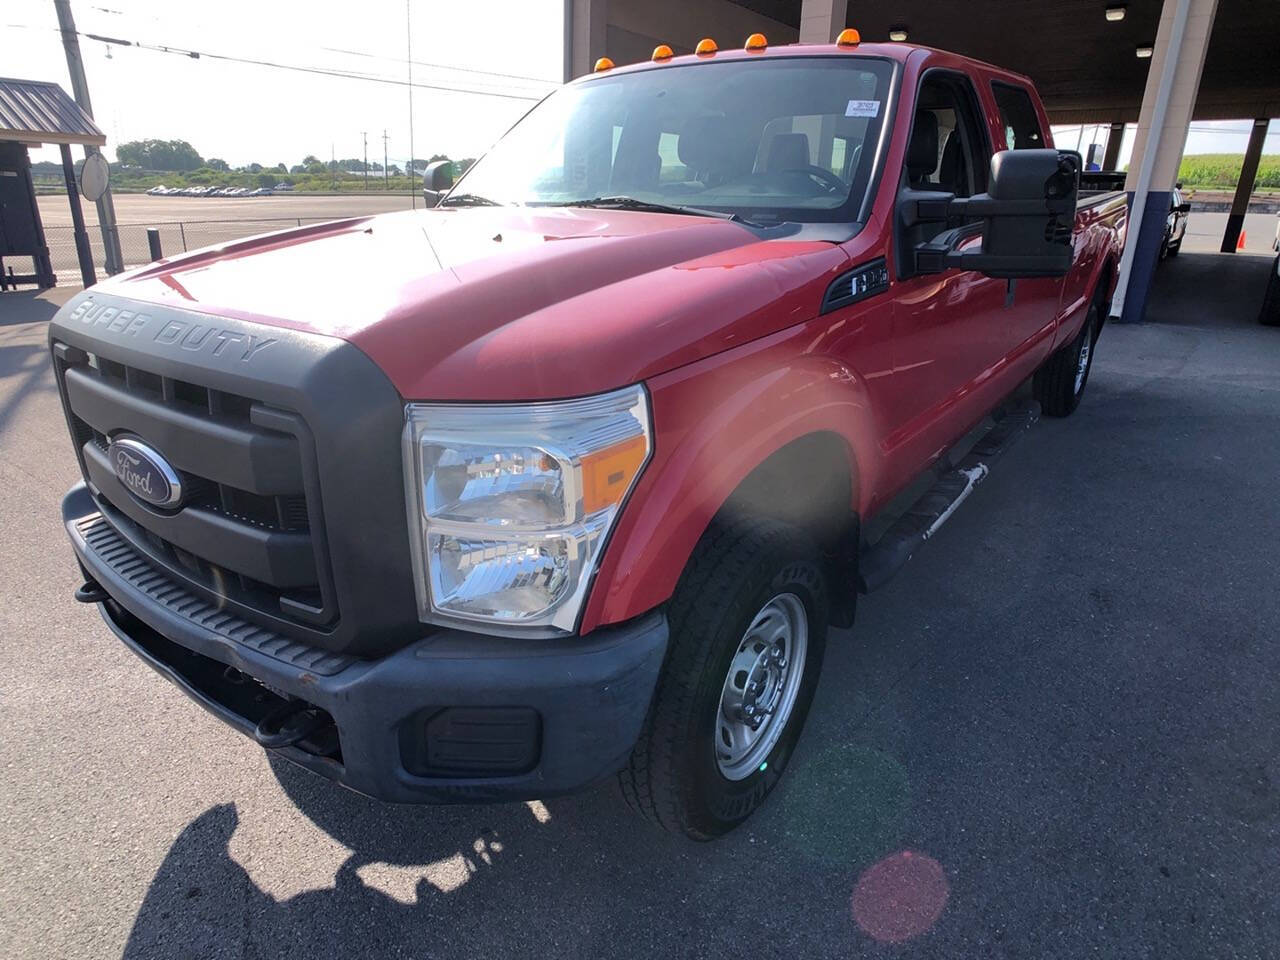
247, 532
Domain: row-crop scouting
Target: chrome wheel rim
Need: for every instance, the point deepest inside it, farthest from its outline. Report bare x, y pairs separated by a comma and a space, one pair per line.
761, 686
1082, 364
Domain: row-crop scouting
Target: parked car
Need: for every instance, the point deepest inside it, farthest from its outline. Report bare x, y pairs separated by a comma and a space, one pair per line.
574, 482
1175, 225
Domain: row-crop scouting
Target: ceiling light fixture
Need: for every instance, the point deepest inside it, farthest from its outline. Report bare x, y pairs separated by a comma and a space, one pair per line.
1116, 12
1144, 52
898, 34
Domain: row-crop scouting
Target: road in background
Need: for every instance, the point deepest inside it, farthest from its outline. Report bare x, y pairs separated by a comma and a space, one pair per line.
1205, 230
140, 208
1054, 734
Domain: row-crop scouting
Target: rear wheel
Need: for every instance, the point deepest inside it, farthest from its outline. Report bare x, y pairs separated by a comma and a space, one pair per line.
1060, 383
748, 628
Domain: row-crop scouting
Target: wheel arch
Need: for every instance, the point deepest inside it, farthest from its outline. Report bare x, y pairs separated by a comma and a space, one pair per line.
809, 460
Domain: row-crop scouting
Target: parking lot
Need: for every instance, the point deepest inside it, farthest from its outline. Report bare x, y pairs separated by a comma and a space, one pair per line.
1056, 728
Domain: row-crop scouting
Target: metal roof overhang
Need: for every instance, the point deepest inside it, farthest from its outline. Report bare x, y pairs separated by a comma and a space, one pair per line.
1084, 66
33, 112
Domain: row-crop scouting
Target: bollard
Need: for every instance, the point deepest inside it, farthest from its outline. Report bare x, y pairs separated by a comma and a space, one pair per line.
153, 241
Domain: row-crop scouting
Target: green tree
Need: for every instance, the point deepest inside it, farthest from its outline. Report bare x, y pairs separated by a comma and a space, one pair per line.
168, 155
215, 163
267, 179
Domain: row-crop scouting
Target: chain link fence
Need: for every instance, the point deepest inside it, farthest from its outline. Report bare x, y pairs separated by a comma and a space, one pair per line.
176, 236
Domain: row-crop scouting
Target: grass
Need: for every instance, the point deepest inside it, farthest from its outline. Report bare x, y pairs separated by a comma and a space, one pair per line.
1221, 171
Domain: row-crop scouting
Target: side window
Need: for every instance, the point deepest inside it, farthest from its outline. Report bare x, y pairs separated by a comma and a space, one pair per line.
948, 148
1018, 117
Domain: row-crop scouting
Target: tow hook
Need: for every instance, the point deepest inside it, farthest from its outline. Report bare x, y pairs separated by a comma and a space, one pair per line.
91, 592
275, 729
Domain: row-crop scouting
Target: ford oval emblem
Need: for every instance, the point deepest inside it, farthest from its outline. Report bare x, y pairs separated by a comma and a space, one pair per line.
144, 473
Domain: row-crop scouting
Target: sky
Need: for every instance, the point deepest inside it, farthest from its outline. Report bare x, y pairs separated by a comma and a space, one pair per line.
1205, 136
506, 53
509, 49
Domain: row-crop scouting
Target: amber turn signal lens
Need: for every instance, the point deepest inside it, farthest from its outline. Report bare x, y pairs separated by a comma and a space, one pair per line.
604, 63
607, 474
706, 46
849, 38
756, 42
662, 52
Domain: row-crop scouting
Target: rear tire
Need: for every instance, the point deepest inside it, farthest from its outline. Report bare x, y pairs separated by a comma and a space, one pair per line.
695, 769
1060, 383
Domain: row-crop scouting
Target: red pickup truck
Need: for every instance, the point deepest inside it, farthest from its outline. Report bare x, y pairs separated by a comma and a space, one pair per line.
568, 476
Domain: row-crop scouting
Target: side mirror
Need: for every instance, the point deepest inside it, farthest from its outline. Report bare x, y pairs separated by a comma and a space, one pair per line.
437, 178
1026, 217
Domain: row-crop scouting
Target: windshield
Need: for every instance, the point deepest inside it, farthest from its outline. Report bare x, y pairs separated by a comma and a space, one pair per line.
776, 139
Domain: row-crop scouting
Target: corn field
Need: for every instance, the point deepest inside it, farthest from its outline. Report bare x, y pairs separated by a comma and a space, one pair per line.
1206, 170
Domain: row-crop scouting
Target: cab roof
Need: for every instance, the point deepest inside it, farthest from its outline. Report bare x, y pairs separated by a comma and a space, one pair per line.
897, 52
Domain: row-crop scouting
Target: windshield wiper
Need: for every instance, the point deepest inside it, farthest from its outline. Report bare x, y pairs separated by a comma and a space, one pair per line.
468, 200
648, 206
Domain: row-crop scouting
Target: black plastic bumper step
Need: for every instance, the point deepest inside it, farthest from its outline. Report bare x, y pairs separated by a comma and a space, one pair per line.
879, 561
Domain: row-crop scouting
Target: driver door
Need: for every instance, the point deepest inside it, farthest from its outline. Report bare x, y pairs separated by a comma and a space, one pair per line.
950, 328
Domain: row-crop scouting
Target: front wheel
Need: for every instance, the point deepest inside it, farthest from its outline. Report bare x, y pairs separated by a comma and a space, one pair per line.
748, 628
1060, 383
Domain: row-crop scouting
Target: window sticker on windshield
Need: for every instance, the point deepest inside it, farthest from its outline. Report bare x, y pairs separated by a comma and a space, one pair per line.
862, 108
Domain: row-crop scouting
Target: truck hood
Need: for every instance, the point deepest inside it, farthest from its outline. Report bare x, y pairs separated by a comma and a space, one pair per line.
508, 303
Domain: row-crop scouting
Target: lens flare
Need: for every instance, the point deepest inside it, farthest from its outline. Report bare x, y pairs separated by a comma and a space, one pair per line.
900, 897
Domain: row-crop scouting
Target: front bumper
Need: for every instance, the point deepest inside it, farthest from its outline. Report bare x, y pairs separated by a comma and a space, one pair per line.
453, 717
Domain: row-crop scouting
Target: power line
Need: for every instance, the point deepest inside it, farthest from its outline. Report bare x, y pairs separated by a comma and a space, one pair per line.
356, 53
302, 68
442, 66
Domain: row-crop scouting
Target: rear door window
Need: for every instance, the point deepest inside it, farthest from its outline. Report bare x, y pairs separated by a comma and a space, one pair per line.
1018, 117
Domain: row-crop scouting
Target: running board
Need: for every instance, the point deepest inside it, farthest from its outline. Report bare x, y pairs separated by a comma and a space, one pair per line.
879, 561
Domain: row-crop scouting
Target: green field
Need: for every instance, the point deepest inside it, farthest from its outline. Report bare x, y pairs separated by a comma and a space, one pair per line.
1222, 170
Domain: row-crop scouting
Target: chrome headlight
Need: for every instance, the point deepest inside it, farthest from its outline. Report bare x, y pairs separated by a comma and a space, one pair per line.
510, 504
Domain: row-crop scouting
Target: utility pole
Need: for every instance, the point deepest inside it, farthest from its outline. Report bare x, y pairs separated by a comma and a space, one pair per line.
408, 56
385, 185
333, 168
365, 136
80, 89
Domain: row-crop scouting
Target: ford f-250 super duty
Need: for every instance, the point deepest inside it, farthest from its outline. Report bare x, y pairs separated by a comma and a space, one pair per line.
567, 476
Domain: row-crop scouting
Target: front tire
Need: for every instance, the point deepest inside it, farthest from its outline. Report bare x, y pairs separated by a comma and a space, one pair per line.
748, 626
1060, 383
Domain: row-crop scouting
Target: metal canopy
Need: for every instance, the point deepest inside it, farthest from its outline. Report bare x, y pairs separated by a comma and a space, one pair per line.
34, 112
1085, 66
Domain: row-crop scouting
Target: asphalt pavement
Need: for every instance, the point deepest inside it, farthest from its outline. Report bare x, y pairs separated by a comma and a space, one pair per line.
1054, 734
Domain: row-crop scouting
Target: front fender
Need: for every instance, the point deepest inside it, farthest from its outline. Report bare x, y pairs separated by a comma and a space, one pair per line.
714, 422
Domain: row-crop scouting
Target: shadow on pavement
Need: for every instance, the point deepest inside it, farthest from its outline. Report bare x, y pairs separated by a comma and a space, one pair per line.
28, 306
1209, 289
559, 878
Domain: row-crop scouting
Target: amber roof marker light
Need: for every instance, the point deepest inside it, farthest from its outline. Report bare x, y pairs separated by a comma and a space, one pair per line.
706, 47
661, 52
756, 43
603, 64
848, 37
